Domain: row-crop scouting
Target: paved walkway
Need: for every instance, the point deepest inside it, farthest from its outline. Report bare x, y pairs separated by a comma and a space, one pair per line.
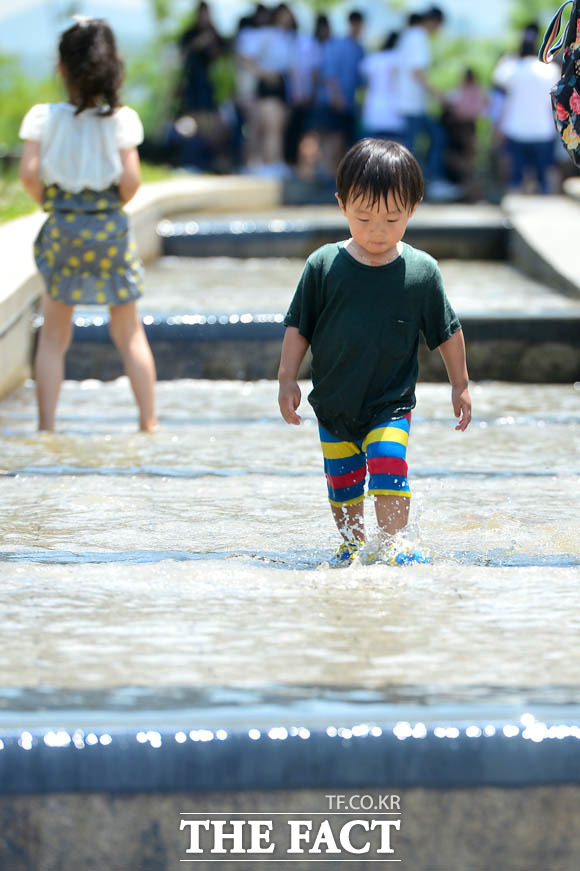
546, 234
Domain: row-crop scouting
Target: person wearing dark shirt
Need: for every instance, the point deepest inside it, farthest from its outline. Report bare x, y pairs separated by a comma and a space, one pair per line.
334, 109
361, 306
199, 46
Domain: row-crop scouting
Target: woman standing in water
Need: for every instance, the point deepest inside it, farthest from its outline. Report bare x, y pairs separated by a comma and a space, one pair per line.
80, 163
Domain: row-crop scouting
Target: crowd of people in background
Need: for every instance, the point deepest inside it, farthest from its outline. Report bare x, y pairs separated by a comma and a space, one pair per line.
295, 101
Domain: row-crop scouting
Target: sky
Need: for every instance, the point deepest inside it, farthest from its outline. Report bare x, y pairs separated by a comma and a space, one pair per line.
29, 28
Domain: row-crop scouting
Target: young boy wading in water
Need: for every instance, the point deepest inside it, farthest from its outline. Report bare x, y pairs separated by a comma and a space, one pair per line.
360, 305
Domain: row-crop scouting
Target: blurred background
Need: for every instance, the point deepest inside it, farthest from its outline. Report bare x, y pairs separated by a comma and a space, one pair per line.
231, 86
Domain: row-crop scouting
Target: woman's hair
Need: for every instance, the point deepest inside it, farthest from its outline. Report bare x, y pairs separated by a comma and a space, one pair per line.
92, 67
374, 168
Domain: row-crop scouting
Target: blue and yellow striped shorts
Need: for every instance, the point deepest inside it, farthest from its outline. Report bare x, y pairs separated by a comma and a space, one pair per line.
383, 450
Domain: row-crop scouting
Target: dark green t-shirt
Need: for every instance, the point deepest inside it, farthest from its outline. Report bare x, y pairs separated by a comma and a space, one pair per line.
363, 324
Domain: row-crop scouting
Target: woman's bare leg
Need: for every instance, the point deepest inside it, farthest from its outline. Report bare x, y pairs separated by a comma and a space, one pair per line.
129, 337
53, 342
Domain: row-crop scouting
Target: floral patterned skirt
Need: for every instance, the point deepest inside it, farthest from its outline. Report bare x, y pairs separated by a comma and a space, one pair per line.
85, 250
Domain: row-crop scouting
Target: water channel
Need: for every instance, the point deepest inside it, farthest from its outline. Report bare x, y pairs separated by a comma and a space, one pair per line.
199, 556
172, 628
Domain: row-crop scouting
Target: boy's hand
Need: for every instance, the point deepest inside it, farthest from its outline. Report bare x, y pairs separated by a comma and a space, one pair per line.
461, 406
289, 397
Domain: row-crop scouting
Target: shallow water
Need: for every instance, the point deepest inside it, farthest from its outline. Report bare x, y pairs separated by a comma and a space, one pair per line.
227, 284
198, 556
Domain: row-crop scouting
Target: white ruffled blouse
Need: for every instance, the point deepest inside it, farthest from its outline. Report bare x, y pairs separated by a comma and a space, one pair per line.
81, 151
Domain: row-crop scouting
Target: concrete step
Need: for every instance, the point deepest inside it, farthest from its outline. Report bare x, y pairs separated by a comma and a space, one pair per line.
466, 232
538, 348
225, 320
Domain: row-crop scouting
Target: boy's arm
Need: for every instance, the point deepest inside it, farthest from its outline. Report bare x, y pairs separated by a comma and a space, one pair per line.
30, 170
131, 177
453, 353
294, 348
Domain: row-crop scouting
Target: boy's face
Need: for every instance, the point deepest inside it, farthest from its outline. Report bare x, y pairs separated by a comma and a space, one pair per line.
376, 229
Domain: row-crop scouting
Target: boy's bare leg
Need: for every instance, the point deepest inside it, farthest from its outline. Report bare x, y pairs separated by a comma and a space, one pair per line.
392, 514
349, 521
54, 339
129, 337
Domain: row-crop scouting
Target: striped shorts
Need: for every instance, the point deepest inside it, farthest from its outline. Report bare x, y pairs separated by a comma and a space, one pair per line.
384, 450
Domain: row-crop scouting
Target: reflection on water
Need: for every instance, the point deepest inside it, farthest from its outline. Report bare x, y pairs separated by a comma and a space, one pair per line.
197, 556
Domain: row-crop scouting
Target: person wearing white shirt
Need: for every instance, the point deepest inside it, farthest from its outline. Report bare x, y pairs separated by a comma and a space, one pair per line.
335, 107
270, 64
414, 61
381, 118
80, 163
414, 52
247, 47
303, 76
527, 121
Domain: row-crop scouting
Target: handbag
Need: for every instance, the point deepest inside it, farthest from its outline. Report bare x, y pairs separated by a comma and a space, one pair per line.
565, 94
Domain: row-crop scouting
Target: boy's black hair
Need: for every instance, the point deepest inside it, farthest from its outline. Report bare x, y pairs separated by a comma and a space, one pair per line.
356, 17
373, 168
92, 66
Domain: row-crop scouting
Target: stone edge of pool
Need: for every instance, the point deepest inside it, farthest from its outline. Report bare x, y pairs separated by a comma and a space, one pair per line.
452, 752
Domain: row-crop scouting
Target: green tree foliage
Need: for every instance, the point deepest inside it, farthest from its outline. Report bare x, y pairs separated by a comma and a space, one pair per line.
525, 11
151, 84
161, 10
320, 6
452, 56
18, 92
